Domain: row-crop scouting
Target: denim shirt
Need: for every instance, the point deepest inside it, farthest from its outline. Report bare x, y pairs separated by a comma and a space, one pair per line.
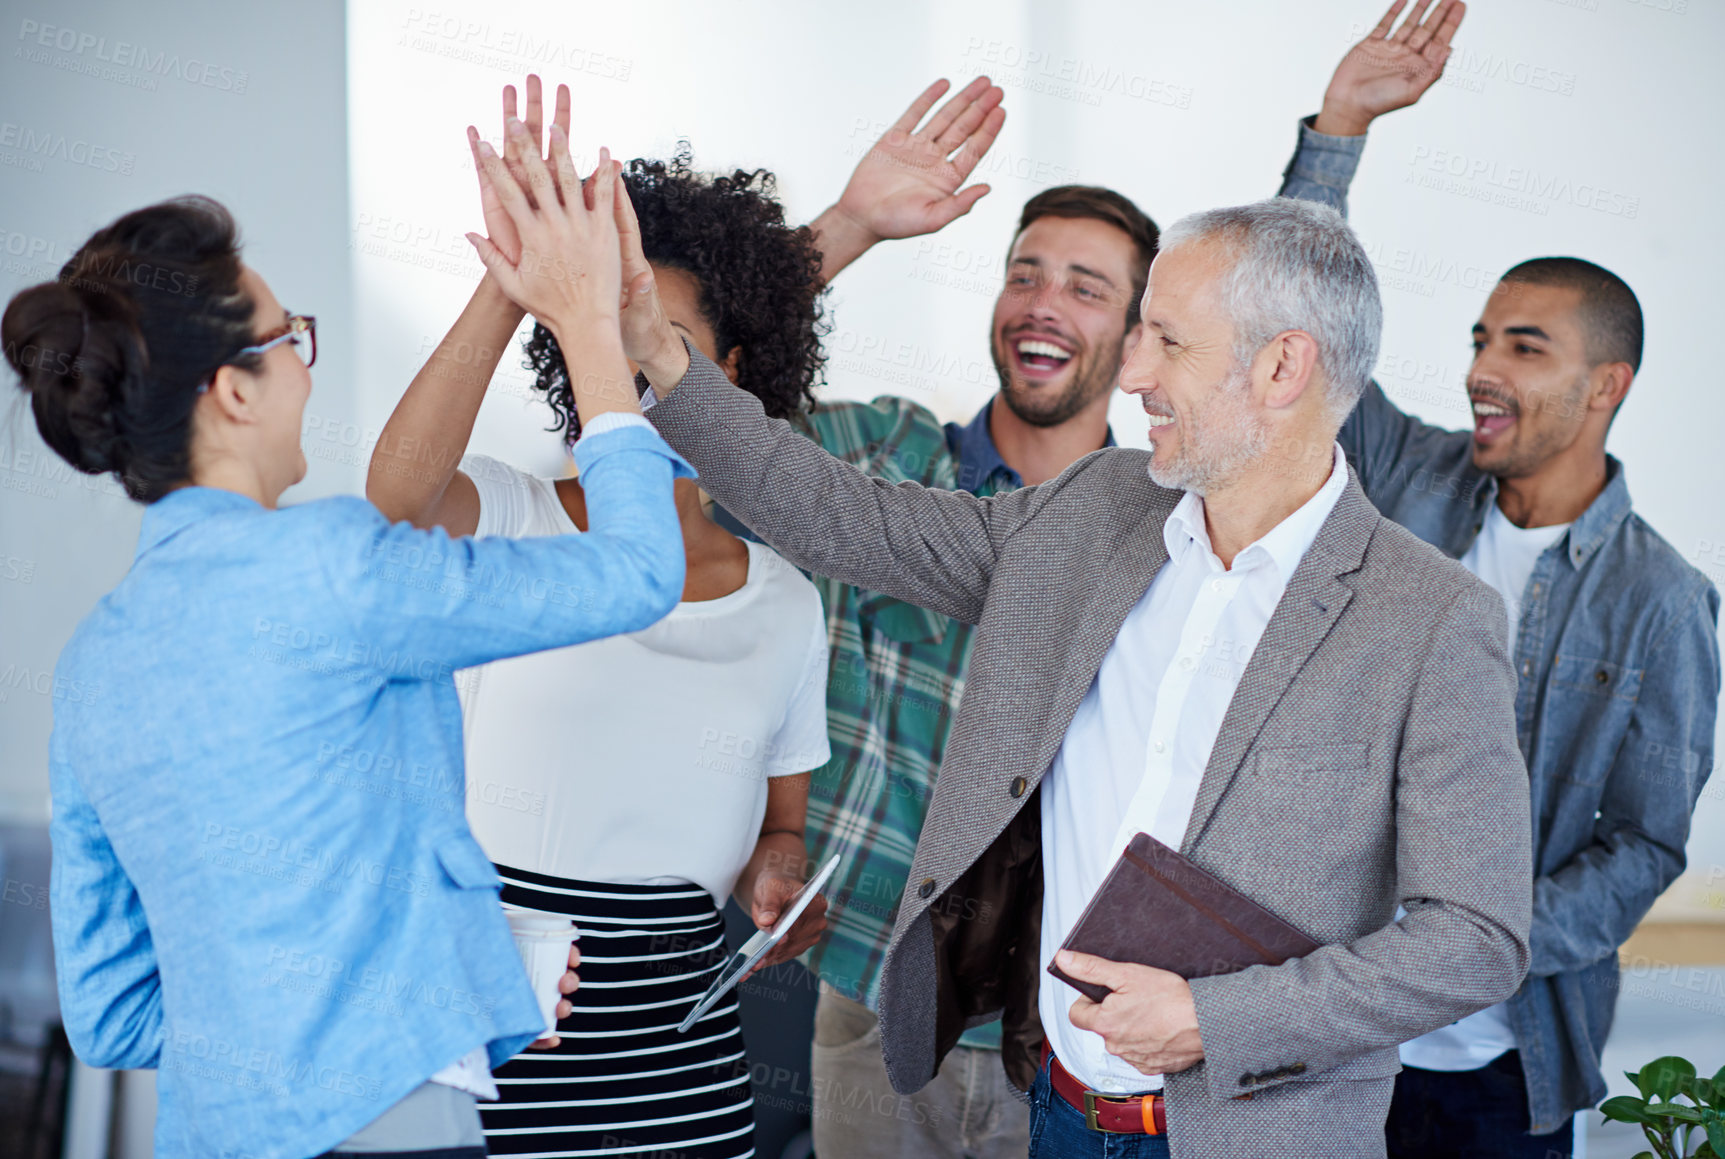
979, 461
1617, 655
263, 880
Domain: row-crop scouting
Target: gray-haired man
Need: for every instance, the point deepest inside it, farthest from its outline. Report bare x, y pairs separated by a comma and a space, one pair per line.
1220, 643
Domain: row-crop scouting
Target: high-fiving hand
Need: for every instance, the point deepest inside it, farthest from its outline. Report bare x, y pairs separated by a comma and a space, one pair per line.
1390, 70
497, 223
567, 272
554, 247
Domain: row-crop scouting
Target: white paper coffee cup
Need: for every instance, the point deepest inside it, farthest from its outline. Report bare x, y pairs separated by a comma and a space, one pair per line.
543, 940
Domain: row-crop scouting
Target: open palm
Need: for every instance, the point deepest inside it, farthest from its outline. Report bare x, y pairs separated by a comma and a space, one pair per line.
909, 181
1391, 70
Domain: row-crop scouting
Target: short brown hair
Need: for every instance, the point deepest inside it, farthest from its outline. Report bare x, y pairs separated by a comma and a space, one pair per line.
1099, 204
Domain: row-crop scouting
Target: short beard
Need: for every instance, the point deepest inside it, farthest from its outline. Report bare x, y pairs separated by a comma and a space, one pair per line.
1092, 380
1539, 447
1217, 442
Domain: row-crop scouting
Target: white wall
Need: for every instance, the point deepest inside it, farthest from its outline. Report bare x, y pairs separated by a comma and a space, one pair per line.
243, 102
1576, 127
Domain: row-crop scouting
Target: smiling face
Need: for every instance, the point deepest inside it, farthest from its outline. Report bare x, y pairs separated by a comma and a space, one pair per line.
1205, 425
1530, 380
1061, 321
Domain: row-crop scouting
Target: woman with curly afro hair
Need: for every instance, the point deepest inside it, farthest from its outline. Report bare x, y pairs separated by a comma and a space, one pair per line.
684, 778
740, 284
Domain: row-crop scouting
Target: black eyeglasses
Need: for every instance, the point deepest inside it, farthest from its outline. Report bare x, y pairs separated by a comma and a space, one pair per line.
301, 330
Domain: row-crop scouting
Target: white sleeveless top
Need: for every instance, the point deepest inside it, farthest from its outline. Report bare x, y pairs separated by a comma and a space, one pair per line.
644, 758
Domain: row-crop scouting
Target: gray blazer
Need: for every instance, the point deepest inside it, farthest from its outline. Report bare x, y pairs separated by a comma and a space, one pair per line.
1368, 759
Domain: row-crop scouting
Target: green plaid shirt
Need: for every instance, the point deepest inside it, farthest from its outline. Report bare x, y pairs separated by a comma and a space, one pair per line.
896, 675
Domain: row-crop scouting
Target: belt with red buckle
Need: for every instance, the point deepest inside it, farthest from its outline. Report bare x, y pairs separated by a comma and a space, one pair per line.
1116, 1114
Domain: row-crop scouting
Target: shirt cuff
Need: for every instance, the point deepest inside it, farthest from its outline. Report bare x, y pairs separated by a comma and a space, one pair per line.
625, 432
613, 420
1323, 159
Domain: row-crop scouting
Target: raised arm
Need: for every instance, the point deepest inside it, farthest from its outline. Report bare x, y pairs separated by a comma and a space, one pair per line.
459, 602
1390, 68
413, 474
933, 548
908, 183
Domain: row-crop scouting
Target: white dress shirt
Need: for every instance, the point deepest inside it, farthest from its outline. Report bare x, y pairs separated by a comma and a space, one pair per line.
1138, 744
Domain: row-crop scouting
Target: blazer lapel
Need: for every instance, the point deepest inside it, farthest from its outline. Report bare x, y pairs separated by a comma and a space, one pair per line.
1309, 608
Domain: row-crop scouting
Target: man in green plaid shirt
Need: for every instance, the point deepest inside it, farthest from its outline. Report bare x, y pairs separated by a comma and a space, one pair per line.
1061, 325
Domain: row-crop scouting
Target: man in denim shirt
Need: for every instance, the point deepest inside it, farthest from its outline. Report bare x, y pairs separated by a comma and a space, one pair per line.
1614, 638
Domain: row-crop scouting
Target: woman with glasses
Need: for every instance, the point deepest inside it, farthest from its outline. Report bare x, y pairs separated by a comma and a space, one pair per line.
264, 884
634, 784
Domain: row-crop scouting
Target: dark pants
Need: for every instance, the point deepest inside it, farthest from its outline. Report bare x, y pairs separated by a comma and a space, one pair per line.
1057, 1131
1481, 1114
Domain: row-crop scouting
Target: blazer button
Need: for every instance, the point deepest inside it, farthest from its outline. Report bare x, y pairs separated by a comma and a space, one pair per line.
926, 889
1297, 1068
1019, 784
1247, 1080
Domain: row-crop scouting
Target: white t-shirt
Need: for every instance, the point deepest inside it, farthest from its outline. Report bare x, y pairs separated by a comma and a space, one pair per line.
643, 759
1503, 556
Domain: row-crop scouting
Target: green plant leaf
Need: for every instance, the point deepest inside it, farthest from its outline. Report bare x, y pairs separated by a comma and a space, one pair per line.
1702, 1091
1715, 1121
1645, 1155
1682, 1112
1627, 1109
1665, 1077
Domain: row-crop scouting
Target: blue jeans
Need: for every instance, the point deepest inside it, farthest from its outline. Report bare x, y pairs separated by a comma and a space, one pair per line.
1057, 1131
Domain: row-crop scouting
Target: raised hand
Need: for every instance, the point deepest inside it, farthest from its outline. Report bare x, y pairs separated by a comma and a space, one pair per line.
649, 340
1388, 71
568, 273
909, 182
497, 223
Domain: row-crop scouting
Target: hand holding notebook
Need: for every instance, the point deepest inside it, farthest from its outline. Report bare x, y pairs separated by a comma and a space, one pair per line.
1157, 908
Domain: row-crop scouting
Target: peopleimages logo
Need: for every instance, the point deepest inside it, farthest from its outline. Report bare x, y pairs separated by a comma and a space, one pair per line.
36, 37
1516, 186
38, 143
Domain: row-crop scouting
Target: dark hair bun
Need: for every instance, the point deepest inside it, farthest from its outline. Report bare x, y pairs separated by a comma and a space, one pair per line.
113, 353
73, 352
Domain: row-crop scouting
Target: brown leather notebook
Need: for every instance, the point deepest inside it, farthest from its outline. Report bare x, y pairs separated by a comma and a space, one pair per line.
1157, 908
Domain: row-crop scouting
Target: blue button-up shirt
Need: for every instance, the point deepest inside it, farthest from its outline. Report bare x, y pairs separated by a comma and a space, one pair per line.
263, 880
1617, 655
979, 460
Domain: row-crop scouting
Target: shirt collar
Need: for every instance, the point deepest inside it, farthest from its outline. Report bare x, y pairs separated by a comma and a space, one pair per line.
183, 507
1284, 545
1602, 517
978, 457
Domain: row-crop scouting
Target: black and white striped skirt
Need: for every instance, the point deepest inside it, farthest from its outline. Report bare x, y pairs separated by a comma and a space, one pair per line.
623, 1081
